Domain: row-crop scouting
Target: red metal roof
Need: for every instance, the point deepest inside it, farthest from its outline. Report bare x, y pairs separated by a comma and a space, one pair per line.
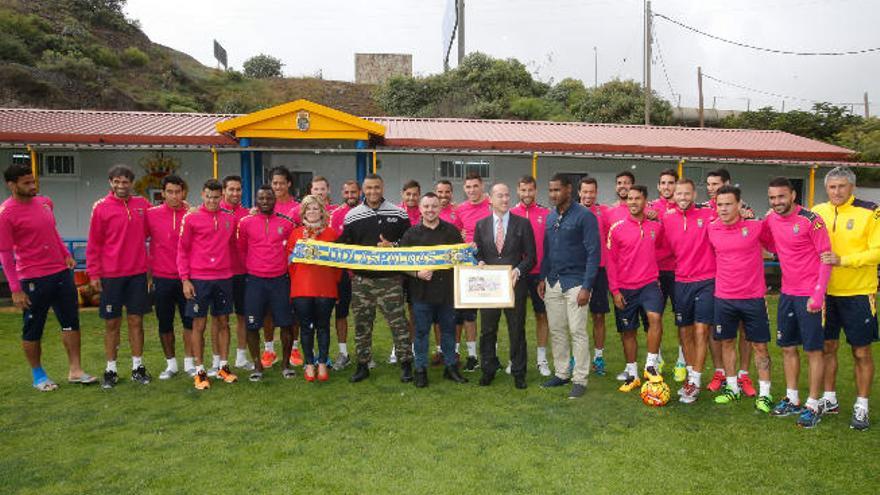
604, 138
110, 127
35, 126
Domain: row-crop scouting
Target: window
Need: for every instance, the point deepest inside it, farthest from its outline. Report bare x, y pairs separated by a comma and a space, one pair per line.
459, 169
58, 166
21, 159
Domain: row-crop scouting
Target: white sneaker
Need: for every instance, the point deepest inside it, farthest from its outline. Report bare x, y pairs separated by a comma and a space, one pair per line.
544, 368
507, 370
622, 376
244, 364
213, 372
392, 359
190, 371
167, 374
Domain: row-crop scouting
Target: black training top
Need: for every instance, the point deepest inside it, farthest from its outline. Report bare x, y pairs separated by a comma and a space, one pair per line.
439, 289
363, 225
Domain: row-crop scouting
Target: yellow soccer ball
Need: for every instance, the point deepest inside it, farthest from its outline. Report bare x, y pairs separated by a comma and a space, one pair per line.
655, 394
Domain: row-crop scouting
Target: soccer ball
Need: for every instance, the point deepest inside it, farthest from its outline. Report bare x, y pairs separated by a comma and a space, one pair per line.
655, 394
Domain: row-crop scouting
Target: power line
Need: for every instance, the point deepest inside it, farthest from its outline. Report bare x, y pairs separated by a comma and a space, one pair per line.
763, 49
663, 65
776, 95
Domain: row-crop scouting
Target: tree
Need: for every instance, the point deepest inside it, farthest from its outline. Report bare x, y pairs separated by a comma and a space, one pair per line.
620, 102
262, 66
824, 122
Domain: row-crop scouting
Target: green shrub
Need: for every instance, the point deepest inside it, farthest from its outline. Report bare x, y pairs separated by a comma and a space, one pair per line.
14, 50
104, 56
133, 57
73, 66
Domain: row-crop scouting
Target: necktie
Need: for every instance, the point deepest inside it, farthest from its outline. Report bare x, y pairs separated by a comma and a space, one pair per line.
499, 236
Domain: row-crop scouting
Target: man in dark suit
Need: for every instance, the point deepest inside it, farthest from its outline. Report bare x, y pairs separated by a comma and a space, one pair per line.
505, 239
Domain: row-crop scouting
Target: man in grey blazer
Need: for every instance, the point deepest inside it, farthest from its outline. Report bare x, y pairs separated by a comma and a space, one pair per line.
505, 239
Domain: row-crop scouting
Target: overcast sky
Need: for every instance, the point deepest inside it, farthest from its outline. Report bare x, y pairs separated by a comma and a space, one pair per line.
555, 39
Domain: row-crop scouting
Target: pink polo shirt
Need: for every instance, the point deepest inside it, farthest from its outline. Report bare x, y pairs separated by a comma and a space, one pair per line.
448, 214
740, 264
665, 258
415, 215
799, 238
29, 240
238, 212
687, 235
117, 237
163, 224
262, 243
289, 208
337, 219
537, 216
470, 214
207, 239
631, 253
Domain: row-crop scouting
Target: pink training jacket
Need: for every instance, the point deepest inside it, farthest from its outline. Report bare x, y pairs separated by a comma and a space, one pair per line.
30, 246
537, 216
337, 219
470, 214
289, 208
262, 243
207, 239
665, 259
799, 238
163, 224
631, 253
687, 235
615, 212
448, 214
740, 264
415, 215
238, 212
601, 212
117, 244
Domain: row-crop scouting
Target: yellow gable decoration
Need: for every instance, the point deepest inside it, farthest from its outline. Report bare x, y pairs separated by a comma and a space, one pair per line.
301, 119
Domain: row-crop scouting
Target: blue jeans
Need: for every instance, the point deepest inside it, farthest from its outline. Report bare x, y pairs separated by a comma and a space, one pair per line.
314, 318
425, 314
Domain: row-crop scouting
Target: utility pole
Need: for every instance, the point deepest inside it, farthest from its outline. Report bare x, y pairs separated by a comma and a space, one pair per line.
867, 110
700, 92
783, 106
460, 31
647, 62
596, 68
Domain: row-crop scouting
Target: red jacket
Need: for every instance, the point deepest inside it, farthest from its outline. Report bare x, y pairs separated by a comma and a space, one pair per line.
312, 280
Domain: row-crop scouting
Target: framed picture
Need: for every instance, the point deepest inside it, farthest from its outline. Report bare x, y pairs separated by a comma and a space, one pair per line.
486, 286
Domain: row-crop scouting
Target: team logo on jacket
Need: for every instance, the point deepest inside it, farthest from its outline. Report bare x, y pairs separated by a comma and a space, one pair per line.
745, 231
850, 224
796, 229
700, 223
228, 225
280, 230
653, 234
540, 220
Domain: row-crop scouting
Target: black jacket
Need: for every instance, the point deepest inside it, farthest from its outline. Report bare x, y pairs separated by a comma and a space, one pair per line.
519, 244
363, 225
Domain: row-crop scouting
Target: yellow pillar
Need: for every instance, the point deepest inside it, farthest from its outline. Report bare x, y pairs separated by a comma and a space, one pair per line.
812, 196
535, 166
681, 169
35, 168
374, 161
216, 163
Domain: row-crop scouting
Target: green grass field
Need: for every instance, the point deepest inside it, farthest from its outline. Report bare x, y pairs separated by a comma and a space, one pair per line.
382, 436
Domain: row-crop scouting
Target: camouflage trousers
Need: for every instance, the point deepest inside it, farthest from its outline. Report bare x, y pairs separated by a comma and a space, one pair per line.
387, 294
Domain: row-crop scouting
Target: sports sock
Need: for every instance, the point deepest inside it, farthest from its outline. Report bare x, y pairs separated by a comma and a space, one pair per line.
393, 351
651, 360
812, 403
223, 363
793, 396
269, 346
296, 344
689, 368
830, 397
200, 368
680, 355
137, 362
719, 370
763, 388
472, 349
457, 345
695, 377
598, 352
215, 361
862, 402
241, 355
732, 385
171, 363
438, 349
632, 369
39, 374
189, 363
740, 373
542, 354
343, 348
111, 366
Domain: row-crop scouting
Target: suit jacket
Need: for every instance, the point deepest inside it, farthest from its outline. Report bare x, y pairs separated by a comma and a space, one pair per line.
519, 244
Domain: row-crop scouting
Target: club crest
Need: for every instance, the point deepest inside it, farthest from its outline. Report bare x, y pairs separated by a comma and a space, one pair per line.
745, 231
796, 229
700, 223
303, 121
850, 224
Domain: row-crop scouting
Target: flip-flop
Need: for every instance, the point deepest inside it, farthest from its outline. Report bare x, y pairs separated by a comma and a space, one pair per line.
46, 385
288, 373
84, 379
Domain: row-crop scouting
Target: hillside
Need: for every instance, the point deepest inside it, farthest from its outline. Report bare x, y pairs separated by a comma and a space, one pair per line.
86, 54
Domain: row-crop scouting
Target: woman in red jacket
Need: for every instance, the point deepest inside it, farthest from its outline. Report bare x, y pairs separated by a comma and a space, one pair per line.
313, 288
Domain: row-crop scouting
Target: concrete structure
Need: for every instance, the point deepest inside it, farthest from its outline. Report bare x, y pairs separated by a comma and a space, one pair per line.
376, 68
73, 150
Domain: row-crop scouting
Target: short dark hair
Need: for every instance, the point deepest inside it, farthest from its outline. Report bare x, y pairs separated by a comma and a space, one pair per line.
212, 185
282, 171
351, 182
626, 173
16, 171
320, 178
429, 194
231, 178
443, 181
373, 177
473, 176
668, 171
411, 184
719, 172
728, 189
173, 179
685, 180
781, 182
643, 190
562, 179
120, 171
588, 180
527, 179
266, 187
